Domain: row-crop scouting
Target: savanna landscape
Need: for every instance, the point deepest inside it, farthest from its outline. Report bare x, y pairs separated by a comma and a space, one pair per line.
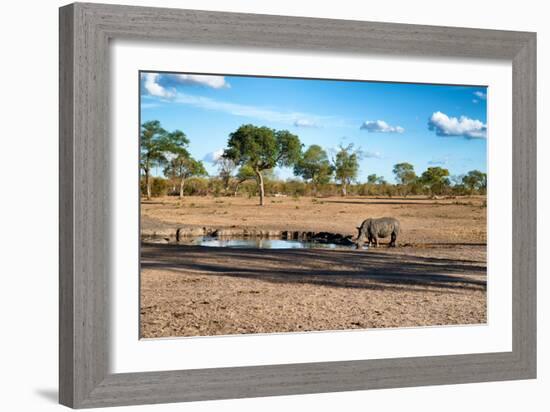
294, 208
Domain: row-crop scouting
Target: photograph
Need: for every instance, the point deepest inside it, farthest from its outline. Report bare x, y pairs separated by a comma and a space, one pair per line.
292, 205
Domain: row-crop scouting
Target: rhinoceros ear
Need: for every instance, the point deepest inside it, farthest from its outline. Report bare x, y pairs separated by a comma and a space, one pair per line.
358, 228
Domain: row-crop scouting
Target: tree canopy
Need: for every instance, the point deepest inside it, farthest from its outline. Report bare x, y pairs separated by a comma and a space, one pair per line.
262, 148
475, 180
255, 153
314, 166
436, 179
156, 145
183, 167
404, 173
346, 166
151, 144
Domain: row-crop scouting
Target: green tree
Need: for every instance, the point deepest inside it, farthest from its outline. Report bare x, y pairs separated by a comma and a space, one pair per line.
372, 179
176, 143
314, 166
346, 166
262, 148
244, 173
475, 180
151, 150
405, 176
155, 144
373, 185
436, 179
182, 167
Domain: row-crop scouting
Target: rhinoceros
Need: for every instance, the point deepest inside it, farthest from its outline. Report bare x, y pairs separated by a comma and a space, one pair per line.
372, 229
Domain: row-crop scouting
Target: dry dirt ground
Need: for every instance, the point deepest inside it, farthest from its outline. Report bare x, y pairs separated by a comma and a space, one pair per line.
437, 275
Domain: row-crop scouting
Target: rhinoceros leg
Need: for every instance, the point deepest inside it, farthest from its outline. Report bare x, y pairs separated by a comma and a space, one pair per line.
393, 242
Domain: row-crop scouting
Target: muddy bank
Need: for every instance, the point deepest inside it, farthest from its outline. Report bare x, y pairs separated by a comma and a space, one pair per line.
187, 233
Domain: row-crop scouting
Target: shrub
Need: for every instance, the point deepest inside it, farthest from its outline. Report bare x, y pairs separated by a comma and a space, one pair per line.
159, 187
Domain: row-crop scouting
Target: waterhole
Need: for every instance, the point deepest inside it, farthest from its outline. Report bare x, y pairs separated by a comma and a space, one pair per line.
255, 243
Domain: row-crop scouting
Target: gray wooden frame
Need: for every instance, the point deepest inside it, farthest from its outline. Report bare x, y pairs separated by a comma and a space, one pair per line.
85, 31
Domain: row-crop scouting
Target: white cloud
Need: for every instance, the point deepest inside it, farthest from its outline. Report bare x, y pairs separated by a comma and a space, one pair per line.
444, 125
305, 123
215, 82
380, 126
214, 156
480, 95
475, 101
155, 83
237, 109
154, 88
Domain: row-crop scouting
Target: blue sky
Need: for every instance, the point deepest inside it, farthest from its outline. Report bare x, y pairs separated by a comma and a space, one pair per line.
426, 125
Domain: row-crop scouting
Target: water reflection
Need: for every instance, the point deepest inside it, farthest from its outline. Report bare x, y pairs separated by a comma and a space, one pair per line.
255, 243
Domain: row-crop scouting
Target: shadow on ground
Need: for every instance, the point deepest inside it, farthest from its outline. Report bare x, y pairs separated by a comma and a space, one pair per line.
333, 268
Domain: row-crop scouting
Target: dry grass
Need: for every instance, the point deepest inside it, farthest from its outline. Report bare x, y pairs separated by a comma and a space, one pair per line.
422, 220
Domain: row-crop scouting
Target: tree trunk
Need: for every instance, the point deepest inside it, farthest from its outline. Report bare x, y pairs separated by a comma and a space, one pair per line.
314, 184
226, 182
148, 184
261, 185
344, 189
182, 183
237, 185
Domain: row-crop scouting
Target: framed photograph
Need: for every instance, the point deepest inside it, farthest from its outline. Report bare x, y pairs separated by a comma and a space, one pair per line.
256, 205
